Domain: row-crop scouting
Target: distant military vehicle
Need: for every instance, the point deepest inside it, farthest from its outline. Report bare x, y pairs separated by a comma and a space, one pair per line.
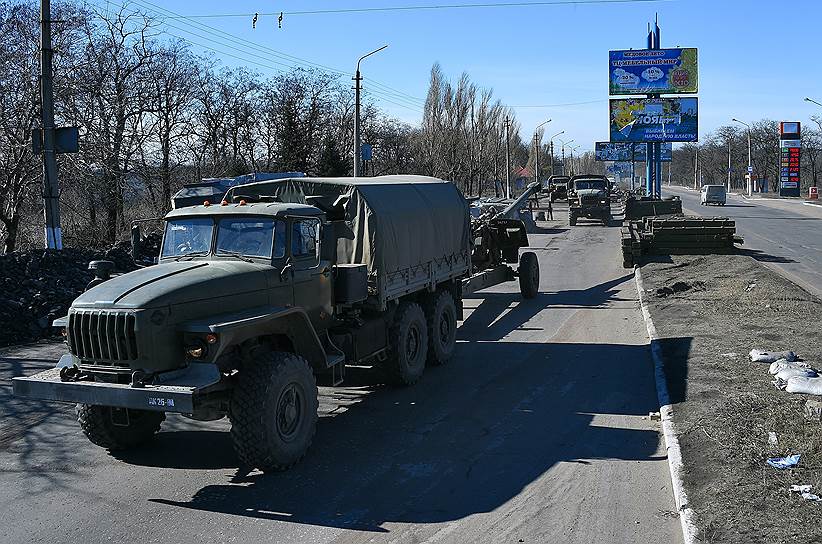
588, 196
258, 296
558, 187
213, 189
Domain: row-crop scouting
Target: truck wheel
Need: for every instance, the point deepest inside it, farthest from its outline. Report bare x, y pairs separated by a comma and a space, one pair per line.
98, 426
409, 345
528, 274
441, 316
572, 220
273, 411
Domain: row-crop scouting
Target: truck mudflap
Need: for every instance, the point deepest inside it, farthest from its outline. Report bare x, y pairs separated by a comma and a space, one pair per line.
177, 393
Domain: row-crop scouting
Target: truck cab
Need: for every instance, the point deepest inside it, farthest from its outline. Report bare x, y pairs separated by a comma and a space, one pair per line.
589, 197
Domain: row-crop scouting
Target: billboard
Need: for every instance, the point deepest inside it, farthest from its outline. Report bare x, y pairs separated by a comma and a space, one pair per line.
610, 151
607, 151
642, 120
667, 152
653, 71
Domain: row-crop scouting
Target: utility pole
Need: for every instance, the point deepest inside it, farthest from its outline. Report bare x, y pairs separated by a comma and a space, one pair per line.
696, 168
750, 169
357, 85
507, 160
729, 165
51, 191
551, 141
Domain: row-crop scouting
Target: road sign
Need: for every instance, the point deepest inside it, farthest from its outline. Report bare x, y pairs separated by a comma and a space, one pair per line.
653, 120
750, 169
653, 71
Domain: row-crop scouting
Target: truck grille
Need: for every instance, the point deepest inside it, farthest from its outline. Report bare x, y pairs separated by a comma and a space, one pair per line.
590, 200
102, 335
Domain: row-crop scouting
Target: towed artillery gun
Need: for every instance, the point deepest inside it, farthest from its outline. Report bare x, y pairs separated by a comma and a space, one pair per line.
258, 297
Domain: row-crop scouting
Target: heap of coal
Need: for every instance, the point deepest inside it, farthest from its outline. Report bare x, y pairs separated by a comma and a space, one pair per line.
38, 286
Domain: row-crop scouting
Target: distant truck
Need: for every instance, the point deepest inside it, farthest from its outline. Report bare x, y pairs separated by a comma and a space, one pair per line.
557, 187
278, 285
589, 197
213, 189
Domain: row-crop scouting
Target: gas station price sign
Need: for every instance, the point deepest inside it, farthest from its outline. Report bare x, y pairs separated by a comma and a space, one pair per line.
790, 156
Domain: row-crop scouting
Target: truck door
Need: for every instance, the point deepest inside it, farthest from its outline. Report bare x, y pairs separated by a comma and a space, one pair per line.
311, 275
280, 290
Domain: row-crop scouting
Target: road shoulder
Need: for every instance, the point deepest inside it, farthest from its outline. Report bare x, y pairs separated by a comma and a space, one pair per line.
724, 406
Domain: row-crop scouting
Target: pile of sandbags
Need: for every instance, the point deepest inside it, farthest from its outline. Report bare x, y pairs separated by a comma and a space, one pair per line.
790, 373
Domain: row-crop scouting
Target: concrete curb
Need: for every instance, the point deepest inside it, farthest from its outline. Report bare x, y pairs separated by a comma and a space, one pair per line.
686, 515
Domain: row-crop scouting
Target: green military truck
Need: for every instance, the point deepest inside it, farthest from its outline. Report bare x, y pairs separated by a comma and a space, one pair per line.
257, 298
589, 197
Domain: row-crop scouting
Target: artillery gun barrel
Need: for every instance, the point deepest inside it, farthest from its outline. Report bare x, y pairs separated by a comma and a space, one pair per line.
509, 211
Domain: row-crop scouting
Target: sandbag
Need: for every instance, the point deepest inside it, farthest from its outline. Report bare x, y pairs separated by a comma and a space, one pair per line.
782, 364
762, 356
789, 372
803, 384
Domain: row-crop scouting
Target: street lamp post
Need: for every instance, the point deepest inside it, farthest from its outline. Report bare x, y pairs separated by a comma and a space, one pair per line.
750, 169
564, 143
813, 101
574, 170
537, 143
551, 145
357, 80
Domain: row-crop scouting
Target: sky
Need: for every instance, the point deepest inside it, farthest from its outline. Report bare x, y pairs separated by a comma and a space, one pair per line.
757, 59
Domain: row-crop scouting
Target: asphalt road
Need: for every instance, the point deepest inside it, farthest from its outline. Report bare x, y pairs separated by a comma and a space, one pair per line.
536, 432
785, 235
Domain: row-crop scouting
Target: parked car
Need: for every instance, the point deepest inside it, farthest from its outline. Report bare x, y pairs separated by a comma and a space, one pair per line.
713, 194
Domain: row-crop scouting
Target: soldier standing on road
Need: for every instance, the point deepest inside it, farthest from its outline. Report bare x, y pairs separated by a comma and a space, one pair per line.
550, 210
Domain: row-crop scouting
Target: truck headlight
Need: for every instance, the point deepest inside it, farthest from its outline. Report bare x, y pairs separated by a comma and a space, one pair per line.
603, 202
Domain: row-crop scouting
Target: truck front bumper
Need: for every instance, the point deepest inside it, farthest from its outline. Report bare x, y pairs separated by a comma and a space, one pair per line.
177, 394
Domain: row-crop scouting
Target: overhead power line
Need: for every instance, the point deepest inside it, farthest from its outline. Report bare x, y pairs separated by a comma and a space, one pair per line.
559, 105
169, 14
424, 7
262, 52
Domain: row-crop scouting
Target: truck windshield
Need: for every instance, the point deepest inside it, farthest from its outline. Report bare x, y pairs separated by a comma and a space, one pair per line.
187, 236
251, 237
589, 184
715, 190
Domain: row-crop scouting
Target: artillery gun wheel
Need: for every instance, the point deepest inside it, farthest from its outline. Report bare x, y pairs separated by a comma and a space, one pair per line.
408, 338
273, 411
441, 314
528, 274
98, 425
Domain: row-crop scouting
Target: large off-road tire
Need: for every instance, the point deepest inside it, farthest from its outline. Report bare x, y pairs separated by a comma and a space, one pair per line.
273, 411
572, 220
408, 339
98, 426
528, 274
441, 316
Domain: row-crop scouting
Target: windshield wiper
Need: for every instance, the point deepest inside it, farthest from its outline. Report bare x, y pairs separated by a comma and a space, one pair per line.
192, 254
234, 254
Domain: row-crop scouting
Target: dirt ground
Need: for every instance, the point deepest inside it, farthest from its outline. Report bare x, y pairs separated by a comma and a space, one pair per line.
711, 311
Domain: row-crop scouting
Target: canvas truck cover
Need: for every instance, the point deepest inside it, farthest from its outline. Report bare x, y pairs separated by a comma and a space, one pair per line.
398, 224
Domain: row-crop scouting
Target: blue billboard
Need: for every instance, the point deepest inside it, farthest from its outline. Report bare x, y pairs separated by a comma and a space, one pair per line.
609, 151
653, 71
643, 120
